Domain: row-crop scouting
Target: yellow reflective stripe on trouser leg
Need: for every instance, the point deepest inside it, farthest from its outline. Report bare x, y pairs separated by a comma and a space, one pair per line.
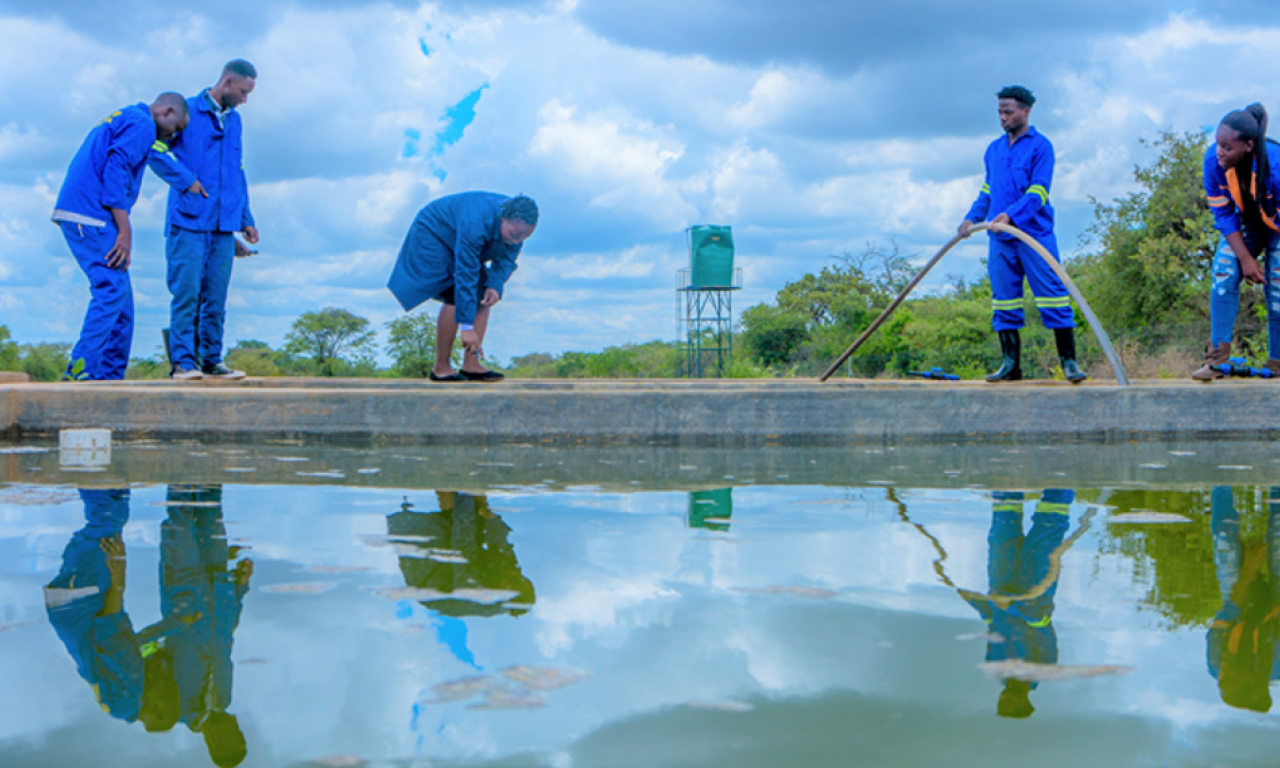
1006, 303
1053, 301
1053, 508
1006, 506
1041, 623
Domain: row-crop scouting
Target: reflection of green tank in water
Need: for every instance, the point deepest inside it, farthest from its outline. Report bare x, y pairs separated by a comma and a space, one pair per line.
711, 509
466, 525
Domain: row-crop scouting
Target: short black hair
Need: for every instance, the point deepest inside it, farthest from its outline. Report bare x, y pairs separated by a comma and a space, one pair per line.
1023, 96
521, 208
175, 100
241, 68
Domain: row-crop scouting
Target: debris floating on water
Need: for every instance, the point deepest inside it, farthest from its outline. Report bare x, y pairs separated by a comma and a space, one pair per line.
543, 678
1154, 466
1182, 453
1234, 466
386, 541
499, 699
19, 449
1147, 516
1016, 669
239, 469
427, 595
990, 637
290, 459
368, 471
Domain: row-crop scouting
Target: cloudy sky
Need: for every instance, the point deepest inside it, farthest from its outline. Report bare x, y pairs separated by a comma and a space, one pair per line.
811, 127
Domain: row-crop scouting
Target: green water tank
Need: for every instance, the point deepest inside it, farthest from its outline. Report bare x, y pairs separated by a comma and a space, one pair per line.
710, 256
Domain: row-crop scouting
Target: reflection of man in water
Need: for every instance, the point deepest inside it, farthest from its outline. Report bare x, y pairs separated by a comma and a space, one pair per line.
1023, 578
1242, 640
85, 603
466, 525
201, 599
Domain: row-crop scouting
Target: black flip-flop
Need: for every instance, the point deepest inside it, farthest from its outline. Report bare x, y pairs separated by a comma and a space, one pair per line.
451, 377
486, 376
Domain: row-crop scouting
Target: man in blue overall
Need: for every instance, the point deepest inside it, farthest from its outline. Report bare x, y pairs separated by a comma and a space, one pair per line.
202, 596
208, 203
461, 250
85, 603
100, 188
1023, 581
1019, 171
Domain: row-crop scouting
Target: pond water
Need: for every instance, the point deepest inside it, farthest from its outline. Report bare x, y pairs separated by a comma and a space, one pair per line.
287, 604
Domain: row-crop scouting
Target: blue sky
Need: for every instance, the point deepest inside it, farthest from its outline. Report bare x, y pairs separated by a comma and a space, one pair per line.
811, 127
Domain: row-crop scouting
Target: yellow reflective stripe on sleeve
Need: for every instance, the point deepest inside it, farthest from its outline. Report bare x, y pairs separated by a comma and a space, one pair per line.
160, 146
112, 116
1053, 508
1041, 192
1041, 623
986, 189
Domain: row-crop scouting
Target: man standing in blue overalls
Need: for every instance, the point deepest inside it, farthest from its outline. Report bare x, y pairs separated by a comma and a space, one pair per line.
92, 210
1019, 168
208, 204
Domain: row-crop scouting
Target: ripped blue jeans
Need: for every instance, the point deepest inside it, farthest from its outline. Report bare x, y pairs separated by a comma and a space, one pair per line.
1224, 301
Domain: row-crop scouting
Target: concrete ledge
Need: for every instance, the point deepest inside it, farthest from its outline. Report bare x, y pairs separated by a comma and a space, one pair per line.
648, 411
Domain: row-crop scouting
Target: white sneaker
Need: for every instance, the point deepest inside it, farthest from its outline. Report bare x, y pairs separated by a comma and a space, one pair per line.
221, 371
186, 374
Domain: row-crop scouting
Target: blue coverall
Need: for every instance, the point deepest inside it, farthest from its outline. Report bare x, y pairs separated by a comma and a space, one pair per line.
197, 588
104, 647
454, 242
1016, 565
1017, 182
105, 173
200, 244
1261, 238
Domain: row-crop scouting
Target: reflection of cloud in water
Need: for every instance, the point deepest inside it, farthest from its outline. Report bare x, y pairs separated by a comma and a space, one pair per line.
590, 608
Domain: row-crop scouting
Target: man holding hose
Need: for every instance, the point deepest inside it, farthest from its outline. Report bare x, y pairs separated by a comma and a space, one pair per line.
1019, 171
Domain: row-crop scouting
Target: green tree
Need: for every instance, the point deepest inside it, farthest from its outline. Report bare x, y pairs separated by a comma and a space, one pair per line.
413, 345
335, 340
45, 361
1153, 249
256, 358
8, 351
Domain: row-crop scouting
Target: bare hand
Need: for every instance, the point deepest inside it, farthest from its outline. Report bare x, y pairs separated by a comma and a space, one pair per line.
197, 188
113, 548
118, 256
242, 250
491, 297
251, 234
1002, 219
963, 229
471, 343
1251, 270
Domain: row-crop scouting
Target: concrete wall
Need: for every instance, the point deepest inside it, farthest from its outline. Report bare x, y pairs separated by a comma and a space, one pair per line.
724, 413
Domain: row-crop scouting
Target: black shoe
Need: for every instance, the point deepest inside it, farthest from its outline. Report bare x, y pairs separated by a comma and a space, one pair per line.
1011, 348
220, 371
483, 376
451, 377
1066, 341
